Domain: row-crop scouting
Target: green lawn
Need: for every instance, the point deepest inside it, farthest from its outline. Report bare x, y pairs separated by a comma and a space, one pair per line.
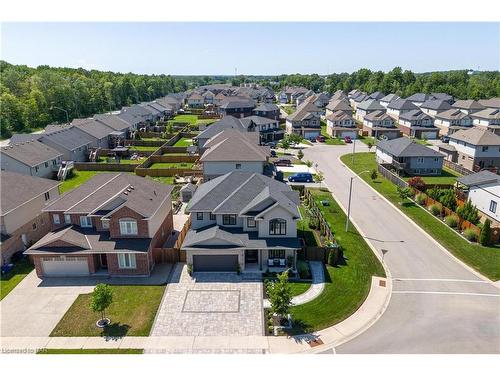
184, 142
78, 178
10, 280
171, 165
448, 177
348, 285
421, 142
144, 148
289, 109
485, 260
299, 287
90, 351
165, 180
192, 119
303, 231
328, 140
132, 313
103, 159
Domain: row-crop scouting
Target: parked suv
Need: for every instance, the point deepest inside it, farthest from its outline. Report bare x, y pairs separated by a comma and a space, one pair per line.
320, 138
301, 177
283, 163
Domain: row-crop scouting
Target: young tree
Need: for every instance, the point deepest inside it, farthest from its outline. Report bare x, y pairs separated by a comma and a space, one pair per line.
373, 174
169, 129
280, 295
369, 144
485, 237
403, 193
102, 297
319, 177
300, 155
285, 144
469, 212
309, 163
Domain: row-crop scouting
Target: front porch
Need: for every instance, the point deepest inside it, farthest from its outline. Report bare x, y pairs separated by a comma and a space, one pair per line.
266, 260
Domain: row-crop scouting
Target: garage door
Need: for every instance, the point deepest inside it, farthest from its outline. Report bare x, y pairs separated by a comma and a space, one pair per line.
65, 266
215, 263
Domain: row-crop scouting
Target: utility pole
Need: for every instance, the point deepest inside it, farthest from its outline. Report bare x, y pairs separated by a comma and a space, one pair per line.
349, 200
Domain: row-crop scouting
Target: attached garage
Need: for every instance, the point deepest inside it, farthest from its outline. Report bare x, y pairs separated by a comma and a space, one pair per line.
215, 263
65, 266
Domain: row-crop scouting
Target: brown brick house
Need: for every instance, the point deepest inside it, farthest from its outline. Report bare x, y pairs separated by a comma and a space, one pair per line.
109, 225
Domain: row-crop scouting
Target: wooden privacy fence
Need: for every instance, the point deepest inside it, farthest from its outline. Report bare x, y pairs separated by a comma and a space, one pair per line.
168, 172
140, 142
166, 158
207, 117
110, 167
319, 254
323, 226
173, 254
396, 180
455, 167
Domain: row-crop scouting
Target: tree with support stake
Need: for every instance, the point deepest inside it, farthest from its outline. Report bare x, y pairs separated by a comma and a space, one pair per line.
102, 297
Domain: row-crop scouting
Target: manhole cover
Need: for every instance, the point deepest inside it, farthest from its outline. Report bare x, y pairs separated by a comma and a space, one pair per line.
381, 283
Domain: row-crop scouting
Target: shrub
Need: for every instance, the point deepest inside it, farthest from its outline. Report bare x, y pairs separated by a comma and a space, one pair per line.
190, 269
470, 234
469, 212
417, 183
373, 174
451, 221
403, 193
303, 269
435, 209
434, 193
448, 199
485, 236
300, 155
335, 256
420, 198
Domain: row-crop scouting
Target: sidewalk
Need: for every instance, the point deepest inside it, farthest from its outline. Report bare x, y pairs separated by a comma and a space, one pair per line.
364, 317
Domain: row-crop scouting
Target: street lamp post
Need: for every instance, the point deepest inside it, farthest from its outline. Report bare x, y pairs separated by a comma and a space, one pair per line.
62, 109
349, 201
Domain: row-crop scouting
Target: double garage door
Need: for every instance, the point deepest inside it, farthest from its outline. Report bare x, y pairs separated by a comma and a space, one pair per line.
65, 266
215, 263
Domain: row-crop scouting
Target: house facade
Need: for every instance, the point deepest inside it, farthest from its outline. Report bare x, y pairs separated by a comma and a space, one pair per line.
366, 107
107, 226
451, 121
488, 118
305, 121
252, 229
399, 106
237, 107
417, 124
195, 100
483, 190
268, 110
340, 124
380, 125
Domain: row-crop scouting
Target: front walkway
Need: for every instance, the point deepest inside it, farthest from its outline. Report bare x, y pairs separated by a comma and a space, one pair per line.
317, 286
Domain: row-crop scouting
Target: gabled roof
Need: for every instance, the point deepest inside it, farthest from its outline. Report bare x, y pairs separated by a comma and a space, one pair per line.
442, 96
437, 104
94, 128
257, 120
233, 145
477, 137
377, 116
468, 104
237, 102
402, 104
389, 98
69, 138
129, 118
30, 153
414, 115
21, 137
304, 111
195, 96
360, 97
137, 111
377, 95
339, 105
488, 114
227, 122
266, 107
480, 178
339, 94
17, 189
113, 121
490, 103
452, 114
338, 116
419, 97
405, 147
370, 105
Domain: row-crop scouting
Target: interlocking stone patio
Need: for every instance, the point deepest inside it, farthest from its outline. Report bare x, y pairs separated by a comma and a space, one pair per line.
210, 304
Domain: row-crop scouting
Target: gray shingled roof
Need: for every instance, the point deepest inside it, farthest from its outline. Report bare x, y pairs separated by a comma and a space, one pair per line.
419, 97
377, 95
339, 105
437, 104
233, 145
17, 189
414, 115
402, 104
451, 114
94, 128
468, 104
30, 153
227, 122
69, 138
266, 107
389, 98
377, 116
405, 147
113, 121
477, 137
370, 105
479, 178
237, 102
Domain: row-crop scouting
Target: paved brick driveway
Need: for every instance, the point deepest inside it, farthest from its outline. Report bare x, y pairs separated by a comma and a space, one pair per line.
212, 304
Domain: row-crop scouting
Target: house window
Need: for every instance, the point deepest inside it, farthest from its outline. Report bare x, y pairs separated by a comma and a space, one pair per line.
485, 148
228, 219
67, 219
126, 261
128, 227
251, 222
212, 216
276, 254
199, 216
420, 160
493, 206
277, 227
47, 196
55, 218
54, 162
36, 168
46, 164
85, 222
238, 166
105, 223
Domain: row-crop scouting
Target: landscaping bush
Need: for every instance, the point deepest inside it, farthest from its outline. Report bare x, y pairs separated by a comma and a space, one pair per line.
335, 256
434, 193
485, 236
469, 212
451, 221
303, 269
417, 182
470, 234
448, 199
435, 209
420, 198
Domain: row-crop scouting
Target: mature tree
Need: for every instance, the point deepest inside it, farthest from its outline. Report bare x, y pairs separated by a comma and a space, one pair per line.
102, 297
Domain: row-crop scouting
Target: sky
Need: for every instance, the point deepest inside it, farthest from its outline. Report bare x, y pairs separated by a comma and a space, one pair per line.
253, 48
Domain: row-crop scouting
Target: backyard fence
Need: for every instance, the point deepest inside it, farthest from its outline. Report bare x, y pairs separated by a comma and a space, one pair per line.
396, 180
166, 158
323, 226
109, 167
173, 254
455, 167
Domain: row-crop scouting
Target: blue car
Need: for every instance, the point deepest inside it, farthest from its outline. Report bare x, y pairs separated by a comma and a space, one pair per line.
301, 177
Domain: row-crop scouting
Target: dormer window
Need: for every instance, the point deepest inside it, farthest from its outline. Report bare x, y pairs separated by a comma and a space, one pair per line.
128, 227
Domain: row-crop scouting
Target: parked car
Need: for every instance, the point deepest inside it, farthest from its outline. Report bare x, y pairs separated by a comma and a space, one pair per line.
347, 139
283, 162
273, 153
320, 138
301, 177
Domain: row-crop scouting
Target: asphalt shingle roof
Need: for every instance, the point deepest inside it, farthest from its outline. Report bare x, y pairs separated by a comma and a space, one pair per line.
477, 137
479, 178
405, 147
30, 153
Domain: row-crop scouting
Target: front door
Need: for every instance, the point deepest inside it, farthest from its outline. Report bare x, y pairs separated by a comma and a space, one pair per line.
104, 261
251, 256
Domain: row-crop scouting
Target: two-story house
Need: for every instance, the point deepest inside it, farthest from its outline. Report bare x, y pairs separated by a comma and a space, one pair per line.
341, 124
419, 98
73, 143
31, 158
488, 118
268, 110
399, 106
417, 124
483, 190
233, 150
107, 226
377, 95
338, 105
409, 158
22, 221
359, 98
434, 106
380, 125
96, 129
269, 129
384, 102
237, 106
244, 221
305, 121
195, 100
474, 149
366, 107
468, 106
451, 121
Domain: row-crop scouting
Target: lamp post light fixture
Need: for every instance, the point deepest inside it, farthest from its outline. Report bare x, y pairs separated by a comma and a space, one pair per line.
65, 111
349, 201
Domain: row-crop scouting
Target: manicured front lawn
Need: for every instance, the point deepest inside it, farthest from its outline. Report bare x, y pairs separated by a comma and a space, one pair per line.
330, 140
132, 313
78, 178
448, 177
348, 285
10, 280
171, 165
184, 142
90, 351
485, 260
299, 287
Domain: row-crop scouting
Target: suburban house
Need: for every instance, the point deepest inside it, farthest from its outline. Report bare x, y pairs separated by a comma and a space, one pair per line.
134, 122
195, 100
490, 103
21, 219
377, 95
107, 226
338, 105
269, 129
361, 97
237, 106
228, 122
468, 106
339, 95
380, 125
268, 110
233, 150
409, 158
71, 142
138, 111
417, 124
483, 190
353, 93
443, 96
114, 122
292, 93
488, 118
434, 106
319, 100
219, 99
305, 121
340, 124
366, 107
208, 97
170, 102
384, 102
452, 120
419, 98
474, 149
399, 106
253, 229
30, 158
95, 129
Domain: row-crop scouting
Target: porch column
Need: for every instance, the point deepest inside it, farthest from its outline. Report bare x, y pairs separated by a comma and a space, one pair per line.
295, 260
260, 259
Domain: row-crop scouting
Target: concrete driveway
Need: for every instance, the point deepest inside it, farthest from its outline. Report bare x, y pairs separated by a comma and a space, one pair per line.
211, 304
35, 307
438, 305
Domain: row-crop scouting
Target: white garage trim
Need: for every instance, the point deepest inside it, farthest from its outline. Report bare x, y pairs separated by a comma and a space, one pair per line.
65, 266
